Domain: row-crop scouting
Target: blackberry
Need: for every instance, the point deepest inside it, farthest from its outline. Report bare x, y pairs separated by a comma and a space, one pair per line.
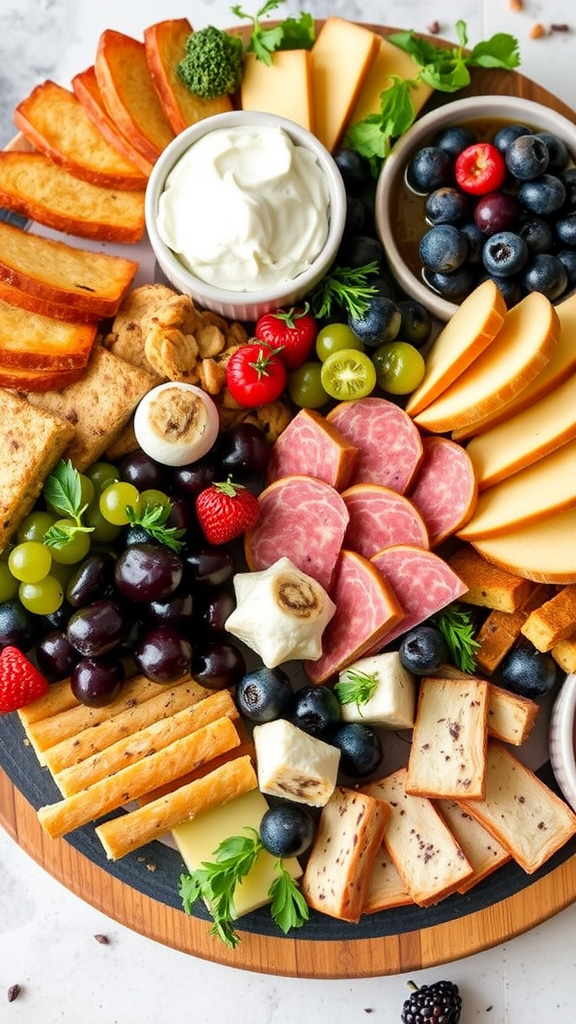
440, 1003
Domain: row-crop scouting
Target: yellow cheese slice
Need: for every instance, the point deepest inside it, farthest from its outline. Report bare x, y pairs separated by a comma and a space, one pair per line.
525, 437
473, 327
341, 58
562, 364
544, 552
517, 355
542, 489
198, 839
283, 87
390, 60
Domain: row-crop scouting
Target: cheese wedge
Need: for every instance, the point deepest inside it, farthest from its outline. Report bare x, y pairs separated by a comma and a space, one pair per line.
474, 325
543, 489
283, 87
526, 437
341, 58
560, 366
518, 353
390, 60
544, 552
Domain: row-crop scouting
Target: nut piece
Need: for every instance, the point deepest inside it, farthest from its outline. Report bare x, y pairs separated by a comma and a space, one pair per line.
537, 31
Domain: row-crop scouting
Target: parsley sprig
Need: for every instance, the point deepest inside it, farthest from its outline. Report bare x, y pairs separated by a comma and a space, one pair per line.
355, 687
444, 68
290, 34
215, 882
344, 286
153, 519
63, 491
458, 630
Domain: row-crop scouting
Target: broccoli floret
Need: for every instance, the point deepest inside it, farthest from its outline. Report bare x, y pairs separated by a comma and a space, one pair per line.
213, 64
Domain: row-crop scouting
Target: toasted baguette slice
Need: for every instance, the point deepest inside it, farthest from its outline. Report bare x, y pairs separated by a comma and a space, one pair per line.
483, 851
521, 811
89, 285
448, 751
85, 87
544, 552
36, 187
125, 83
31, 341
488, 586
55, 122
31, 443
165, 44
37, 382
553, 621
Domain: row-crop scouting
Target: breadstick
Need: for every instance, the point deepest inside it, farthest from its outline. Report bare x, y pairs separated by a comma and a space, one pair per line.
131, 782
245, 747
59, 698
128, 832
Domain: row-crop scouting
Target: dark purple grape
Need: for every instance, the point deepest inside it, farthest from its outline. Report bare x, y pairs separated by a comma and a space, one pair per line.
190, 480
215, 610
55, 655
147, 572
18, 627
243, 451
98, 628
97, 681
209, 566
163, 654
175, 610
136, 535
139, 469
495, 212
218, 666
182, 514
59, 618
92, 580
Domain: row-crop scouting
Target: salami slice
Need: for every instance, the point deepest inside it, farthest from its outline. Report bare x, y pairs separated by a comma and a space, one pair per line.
366, 610
304, 519
389, 444
422, 582
445, 489
310, 445
381, 518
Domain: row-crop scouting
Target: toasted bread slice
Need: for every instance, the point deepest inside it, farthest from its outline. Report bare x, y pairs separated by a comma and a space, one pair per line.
553, 621
500, 630
43, 307
31, 341
87, 285
564, 654
85, 87
20, 378
36, 187
31, 443
165, 43
54, 120
488, 586
125, 83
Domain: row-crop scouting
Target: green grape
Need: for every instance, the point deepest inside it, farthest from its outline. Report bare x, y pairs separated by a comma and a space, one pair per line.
348, 374
87, 489
335, 337
399, 367
8, 583
153, 497
34, 526
101, 474
72, 550
62, 572
115, 499
30, 561
305, 386
42, 598
102, 531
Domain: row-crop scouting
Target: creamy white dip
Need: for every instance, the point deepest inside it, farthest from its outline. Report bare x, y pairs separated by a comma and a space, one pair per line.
245, 208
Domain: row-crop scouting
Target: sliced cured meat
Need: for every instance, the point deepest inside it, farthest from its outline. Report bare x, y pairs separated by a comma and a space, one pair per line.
389, 444
445, 490
422, 581
304, 519
313, 446
366, 610
381, 518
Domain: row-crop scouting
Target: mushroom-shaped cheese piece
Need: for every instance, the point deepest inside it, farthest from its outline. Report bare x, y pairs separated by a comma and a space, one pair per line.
176, 423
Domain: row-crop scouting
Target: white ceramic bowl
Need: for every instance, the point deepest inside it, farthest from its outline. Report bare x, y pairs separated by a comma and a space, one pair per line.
500, 108
245, 305
562, 739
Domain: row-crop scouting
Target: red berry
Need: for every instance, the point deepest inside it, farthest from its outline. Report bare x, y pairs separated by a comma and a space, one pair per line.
292, 332
20, 681
480, 168
225, 511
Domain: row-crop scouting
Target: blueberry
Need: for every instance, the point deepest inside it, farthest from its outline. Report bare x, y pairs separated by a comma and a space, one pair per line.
568, 179
547, 274
455, 286
506, 135
384, 285
454, 139
316, 710
566, 230
504, 254
17, 625
355, 169
475, 238
357, 216
264, 695
528, 672
416, 323
380, 323
509, 286
360, 250
558, 151
430, 168
443, 248
423, 650
360, 749
447, 206
543, 196
527, 157
537, 234
287, 830
568, 258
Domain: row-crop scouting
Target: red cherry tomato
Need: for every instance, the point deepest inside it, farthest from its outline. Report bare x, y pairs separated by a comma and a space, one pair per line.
255, 375
291, 331
480, 168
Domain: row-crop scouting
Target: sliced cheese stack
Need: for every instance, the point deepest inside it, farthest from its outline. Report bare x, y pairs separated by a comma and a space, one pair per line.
341, 58
283, 87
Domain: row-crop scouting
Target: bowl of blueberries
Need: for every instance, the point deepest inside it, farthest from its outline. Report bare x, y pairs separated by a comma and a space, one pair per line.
481, 187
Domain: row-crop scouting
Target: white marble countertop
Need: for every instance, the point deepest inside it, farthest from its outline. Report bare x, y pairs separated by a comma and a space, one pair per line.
47, 943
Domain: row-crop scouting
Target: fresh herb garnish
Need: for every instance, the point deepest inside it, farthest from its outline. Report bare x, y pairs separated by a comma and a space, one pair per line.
444, 68
290, 34
63, 491
153, 519
215, 882
458, 630
356, 687
344, 286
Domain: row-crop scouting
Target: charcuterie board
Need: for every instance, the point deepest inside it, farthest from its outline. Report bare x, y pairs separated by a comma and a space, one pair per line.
141, 890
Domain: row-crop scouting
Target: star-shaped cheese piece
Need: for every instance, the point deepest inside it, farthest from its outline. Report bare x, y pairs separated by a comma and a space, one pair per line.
280, 613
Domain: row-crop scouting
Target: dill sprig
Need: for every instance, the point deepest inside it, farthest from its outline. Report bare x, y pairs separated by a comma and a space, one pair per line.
458, 630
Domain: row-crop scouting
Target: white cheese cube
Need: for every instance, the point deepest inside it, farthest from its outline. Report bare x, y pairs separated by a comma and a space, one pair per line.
294, 765
393, 702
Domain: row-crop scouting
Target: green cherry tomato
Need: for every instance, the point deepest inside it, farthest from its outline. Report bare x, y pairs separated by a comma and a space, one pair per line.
305, 386
335, 337
348, 374
399, 367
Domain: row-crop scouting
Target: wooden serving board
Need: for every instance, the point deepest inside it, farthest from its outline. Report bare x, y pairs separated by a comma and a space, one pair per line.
346, 955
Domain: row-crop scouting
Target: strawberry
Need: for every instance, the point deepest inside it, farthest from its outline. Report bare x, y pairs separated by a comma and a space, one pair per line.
20, 681
226, 510
292, 332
